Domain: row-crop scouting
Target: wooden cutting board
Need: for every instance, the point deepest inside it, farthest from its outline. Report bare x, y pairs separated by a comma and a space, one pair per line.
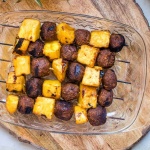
125, 11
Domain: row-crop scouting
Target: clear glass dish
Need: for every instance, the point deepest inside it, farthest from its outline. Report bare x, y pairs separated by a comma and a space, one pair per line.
130, 67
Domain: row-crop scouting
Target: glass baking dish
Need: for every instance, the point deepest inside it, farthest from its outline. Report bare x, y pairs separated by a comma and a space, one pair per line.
130, 68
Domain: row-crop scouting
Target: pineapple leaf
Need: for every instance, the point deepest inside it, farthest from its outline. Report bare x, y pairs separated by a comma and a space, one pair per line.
38, 2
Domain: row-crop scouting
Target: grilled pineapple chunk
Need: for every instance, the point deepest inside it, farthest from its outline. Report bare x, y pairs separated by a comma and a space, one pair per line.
21, 46
52, 49
80, 115
52, 88
87, 97
15, 83
65, 33
44, 106
22, 65
59, 68
87, 55
91, 76
30, 29
12, 103
100, 39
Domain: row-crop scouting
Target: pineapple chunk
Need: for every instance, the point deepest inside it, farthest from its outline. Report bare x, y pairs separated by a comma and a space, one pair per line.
15, 83
52, 49
80, 115
65, 33
30, 29
21, 46
87, 55
44, 106
100, 39
87, 97
12, 103
91, 76
22, 65
52, 88
59, 68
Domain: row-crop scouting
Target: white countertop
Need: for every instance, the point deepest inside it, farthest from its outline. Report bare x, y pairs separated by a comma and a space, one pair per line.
9, 142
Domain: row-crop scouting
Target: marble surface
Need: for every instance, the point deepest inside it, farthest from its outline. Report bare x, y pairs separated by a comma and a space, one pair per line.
9, 142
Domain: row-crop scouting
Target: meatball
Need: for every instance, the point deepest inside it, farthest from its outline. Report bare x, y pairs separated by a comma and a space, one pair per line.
40, 67
109, 79
82, 36
36, 48
105, 98
75, 72
106, 58
63, 110
34, 87
70, 91
68, 52
48, 31
25, 104
97, 116
117, 41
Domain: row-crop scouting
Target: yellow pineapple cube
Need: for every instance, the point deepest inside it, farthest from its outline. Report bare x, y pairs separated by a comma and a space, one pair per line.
12, 103
65, 33
22, 65
52, 49
30, 29
80, 115
91, 76
100, 39
44, 106
59, 68
15, 83
87, 97
21, 46
87, 55
52, 88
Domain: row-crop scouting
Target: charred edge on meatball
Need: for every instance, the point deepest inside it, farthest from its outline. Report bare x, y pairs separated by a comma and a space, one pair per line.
25, 104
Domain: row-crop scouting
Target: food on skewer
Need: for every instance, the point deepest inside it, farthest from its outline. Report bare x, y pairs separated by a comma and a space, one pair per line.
69, 52
36, 48
34, 87
48, 31
105, 58
15, 83
75, 72
63, 110
40, 67
82, 36
25, 104
105, 98
69, 91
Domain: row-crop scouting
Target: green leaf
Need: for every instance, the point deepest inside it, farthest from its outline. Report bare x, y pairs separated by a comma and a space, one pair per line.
38, 2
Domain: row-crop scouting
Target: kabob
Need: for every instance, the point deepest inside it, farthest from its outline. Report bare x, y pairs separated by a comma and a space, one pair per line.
80, 61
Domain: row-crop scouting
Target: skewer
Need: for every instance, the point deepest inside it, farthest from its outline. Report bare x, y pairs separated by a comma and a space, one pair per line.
116, 118
123, 61
6, 44
124, 82
7, 25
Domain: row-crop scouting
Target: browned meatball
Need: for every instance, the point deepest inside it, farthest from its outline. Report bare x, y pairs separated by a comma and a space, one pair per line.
75, 72
34, 87
97, 116
25, 104
70, 91
105, 98
68, 52
63, 110
36, 48
82, 36
117, 41
40, 67
109, 79
48, 31
106, 58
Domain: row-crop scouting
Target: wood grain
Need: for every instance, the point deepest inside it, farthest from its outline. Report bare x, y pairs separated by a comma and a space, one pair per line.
125, 11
